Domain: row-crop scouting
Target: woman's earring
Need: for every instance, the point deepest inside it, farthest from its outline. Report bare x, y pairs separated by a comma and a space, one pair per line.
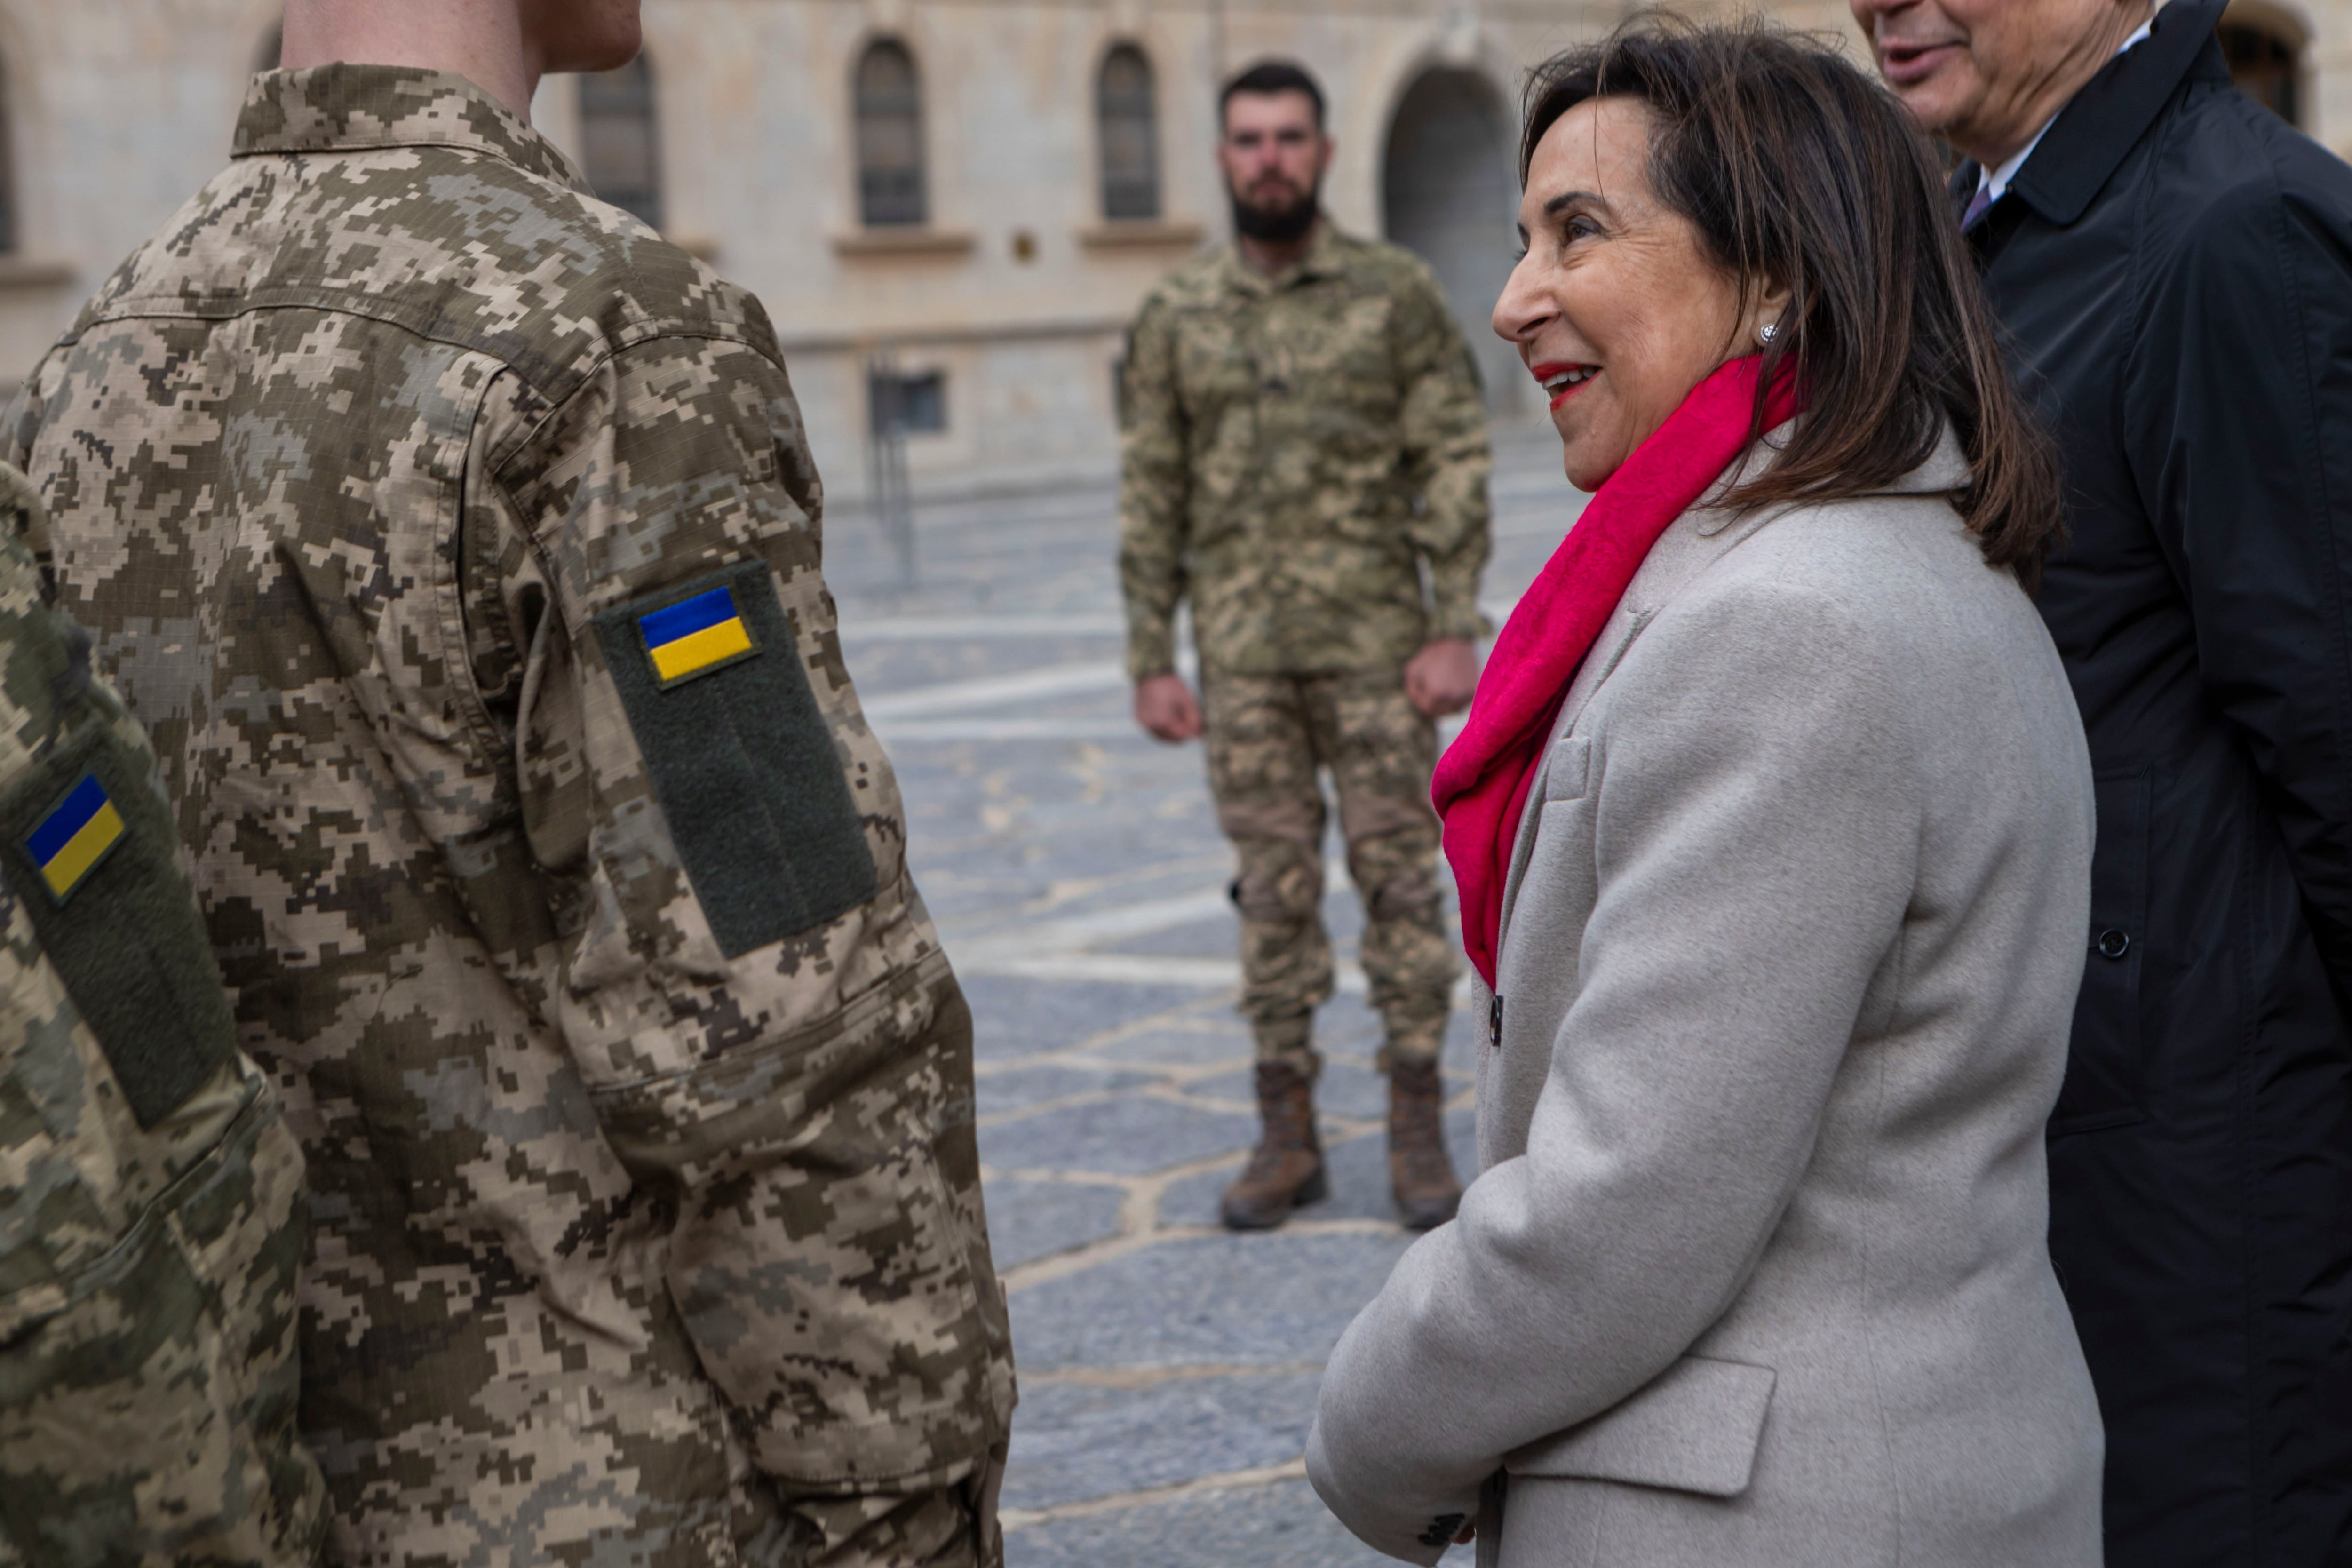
1767, 332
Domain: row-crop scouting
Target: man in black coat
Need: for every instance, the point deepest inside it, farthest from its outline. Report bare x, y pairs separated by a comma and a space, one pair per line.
2173, 265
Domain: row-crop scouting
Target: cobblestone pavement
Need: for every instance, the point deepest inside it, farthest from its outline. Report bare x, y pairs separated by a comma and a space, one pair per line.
1168, 1369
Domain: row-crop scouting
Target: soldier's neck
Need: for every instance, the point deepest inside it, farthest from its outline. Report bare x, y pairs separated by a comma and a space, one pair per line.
484, 41
1272, 257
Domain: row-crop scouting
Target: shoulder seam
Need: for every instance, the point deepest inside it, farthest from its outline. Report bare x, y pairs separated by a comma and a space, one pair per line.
556, 381
587, 373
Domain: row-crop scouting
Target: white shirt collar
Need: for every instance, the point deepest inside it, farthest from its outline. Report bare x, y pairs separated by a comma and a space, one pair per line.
1993, 184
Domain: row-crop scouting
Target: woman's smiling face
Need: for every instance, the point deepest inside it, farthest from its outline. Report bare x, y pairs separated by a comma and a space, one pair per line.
1615, 307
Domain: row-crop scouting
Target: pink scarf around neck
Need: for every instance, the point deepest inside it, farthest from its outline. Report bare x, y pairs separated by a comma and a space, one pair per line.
1482, 781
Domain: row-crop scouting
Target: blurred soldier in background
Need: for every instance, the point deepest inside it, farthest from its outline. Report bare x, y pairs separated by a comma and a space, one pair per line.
1302, 438
457, 538
150, 1197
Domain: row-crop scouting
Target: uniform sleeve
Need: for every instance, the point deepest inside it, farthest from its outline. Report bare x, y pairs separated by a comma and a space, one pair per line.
1755, 850
2238, 415
1154, 494
771, 1038
1443, 426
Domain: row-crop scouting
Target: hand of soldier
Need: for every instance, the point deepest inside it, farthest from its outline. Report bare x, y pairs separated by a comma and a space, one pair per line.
1165, 706
1439, 680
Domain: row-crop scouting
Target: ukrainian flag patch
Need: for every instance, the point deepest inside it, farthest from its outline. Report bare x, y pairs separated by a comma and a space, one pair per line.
696, 636
74, 836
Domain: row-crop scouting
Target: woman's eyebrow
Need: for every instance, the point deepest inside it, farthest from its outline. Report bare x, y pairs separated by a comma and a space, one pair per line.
1567, 199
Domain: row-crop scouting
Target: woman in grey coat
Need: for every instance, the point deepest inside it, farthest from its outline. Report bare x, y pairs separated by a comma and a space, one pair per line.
1772, 825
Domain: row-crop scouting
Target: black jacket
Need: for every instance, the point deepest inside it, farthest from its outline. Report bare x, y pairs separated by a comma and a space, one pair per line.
2174, 267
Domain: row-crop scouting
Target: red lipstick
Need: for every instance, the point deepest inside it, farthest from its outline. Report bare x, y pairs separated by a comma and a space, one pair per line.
1551, 375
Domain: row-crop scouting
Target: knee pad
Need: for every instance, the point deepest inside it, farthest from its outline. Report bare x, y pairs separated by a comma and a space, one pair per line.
1279, 891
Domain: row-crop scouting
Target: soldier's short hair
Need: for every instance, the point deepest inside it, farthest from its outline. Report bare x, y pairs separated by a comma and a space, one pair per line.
1269, 77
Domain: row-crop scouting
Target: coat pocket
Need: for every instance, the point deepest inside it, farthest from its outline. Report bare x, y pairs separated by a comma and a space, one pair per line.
2105, 1057
1695, 1428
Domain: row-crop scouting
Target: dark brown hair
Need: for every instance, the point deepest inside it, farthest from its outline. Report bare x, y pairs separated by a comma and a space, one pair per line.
1796, 167
1270, 76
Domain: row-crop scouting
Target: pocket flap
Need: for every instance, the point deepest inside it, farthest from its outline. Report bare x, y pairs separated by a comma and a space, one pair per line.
1695, 1429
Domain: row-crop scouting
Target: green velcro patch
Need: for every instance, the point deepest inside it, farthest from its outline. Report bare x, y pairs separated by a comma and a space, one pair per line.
89, 851
740, 756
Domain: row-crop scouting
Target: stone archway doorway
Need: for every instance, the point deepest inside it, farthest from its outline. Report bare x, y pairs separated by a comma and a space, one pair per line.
1449, 195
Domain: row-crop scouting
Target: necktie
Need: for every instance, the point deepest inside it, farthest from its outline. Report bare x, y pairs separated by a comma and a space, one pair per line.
1977, 206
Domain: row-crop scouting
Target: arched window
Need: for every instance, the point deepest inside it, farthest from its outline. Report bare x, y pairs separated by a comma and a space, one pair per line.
1129, 131
619, 150
890, 186
2265, 62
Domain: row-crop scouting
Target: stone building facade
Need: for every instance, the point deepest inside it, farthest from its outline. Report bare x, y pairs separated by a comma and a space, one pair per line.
950, 206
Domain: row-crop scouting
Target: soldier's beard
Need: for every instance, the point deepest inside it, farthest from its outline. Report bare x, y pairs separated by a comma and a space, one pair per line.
1277, 225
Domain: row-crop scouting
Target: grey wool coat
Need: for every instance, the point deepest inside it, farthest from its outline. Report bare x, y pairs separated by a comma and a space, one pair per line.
1755, 1272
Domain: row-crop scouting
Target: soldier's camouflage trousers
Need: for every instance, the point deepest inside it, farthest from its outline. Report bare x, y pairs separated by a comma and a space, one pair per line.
1267, 739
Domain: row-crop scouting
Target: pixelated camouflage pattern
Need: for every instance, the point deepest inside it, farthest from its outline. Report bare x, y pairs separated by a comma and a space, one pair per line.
148, 1380
1294, 451
624, 1250
1267, 737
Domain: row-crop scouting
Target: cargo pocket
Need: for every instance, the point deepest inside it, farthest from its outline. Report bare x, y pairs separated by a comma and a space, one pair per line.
92, 856
2105, 1059
819, 1258
125, 1430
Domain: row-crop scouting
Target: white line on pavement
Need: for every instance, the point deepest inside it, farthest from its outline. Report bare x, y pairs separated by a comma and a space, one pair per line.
1111, 968
923, 628
894, 731
1132, 969
1016, 1519
1075, 933
989, 690
1026, 685
1053, 680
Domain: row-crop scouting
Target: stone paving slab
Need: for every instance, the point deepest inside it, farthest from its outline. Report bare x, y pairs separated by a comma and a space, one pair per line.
1126, 1135
1012, 1018
1082, 1442
1197, 1043
1276, 1526
1023, 1087
1031, 1219
1217, 1299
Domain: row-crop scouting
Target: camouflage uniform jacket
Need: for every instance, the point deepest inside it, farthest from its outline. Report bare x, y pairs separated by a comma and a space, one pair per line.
457, 539
1293, 449
150, 1197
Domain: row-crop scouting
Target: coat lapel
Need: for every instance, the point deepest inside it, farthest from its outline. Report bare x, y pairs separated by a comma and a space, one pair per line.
1694, 541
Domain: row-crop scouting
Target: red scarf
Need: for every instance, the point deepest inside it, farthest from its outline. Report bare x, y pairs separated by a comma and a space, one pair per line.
1482, 781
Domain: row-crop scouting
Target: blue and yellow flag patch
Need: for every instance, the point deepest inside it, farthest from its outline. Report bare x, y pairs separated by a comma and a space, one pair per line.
74, 836
696, 634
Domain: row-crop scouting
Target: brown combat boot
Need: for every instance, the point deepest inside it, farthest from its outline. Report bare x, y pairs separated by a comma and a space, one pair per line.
1285, 1169
1419, 1174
